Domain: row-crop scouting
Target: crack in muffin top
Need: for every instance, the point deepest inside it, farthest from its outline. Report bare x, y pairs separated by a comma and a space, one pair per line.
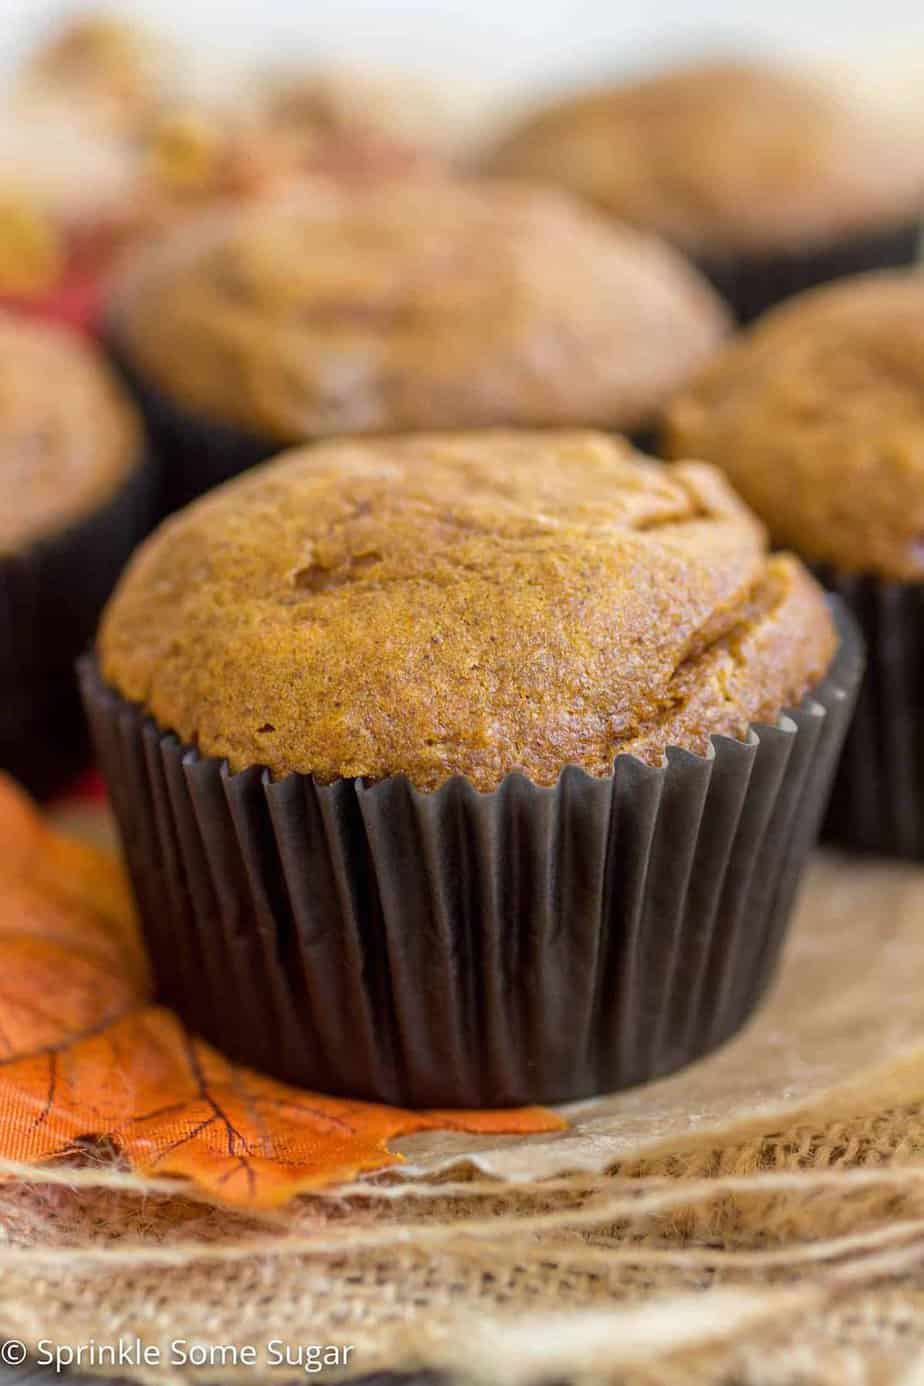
462, 604
68, 436
422, 304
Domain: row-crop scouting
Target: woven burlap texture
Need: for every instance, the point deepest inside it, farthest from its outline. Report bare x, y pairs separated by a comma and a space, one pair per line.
759, 1219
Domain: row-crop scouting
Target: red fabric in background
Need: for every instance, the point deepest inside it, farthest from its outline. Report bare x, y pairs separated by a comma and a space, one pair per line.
87, 788
76, 302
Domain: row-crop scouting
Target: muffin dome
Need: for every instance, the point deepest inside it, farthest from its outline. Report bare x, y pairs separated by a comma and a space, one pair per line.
726, 158
418, 305
817, 416
462, 604
68, 438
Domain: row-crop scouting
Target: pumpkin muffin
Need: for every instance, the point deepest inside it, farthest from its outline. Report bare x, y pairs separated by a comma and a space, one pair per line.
450, 669
527, 601
817, 416
772, 179
419, 305
64, 192
395, 110
109, 73
74, 499
110, 138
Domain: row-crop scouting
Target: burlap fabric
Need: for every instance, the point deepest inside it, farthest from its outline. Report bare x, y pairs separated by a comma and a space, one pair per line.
759, 1219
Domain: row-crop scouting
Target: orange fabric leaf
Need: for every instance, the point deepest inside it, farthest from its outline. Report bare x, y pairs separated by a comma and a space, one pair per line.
85, 1055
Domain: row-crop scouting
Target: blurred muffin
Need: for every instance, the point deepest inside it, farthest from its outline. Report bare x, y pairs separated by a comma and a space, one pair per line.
388, 626
197, 155
72, 202
66, 199
68, 163
817, 416
774, 180
111, 137
76, 492
400, 111
104, 71
415, 305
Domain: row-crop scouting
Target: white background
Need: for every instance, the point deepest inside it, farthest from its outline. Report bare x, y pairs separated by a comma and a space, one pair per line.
512, 42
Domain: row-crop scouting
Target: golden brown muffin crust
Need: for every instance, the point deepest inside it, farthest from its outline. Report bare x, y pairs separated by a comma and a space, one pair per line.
419, 305
726, 157
471, 604
817, 416
68, 436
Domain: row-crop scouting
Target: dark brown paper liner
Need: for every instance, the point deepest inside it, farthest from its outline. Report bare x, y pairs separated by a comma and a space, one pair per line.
200, 453
751, 285
196, 453
51, 595
456, 948
877, 802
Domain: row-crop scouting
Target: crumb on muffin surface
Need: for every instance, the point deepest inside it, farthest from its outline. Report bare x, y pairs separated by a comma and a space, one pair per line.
463, 604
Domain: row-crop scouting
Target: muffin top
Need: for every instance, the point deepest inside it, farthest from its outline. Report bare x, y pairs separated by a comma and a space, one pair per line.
727, 157
415, 305
817, 415
462, 604
67, 434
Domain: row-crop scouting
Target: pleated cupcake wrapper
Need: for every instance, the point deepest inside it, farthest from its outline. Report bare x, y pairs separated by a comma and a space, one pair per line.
51, 595
457, 948
877, 803
199, 453
753, 284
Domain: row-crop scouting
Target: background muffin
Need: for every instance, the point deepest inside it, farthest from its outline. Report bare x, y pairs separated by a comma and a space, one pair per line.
71, 133
106, 71
65, 191
389, 626
817, 416
401, 110
772, 179
198, 155
109, 136
424, 304
76, 493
